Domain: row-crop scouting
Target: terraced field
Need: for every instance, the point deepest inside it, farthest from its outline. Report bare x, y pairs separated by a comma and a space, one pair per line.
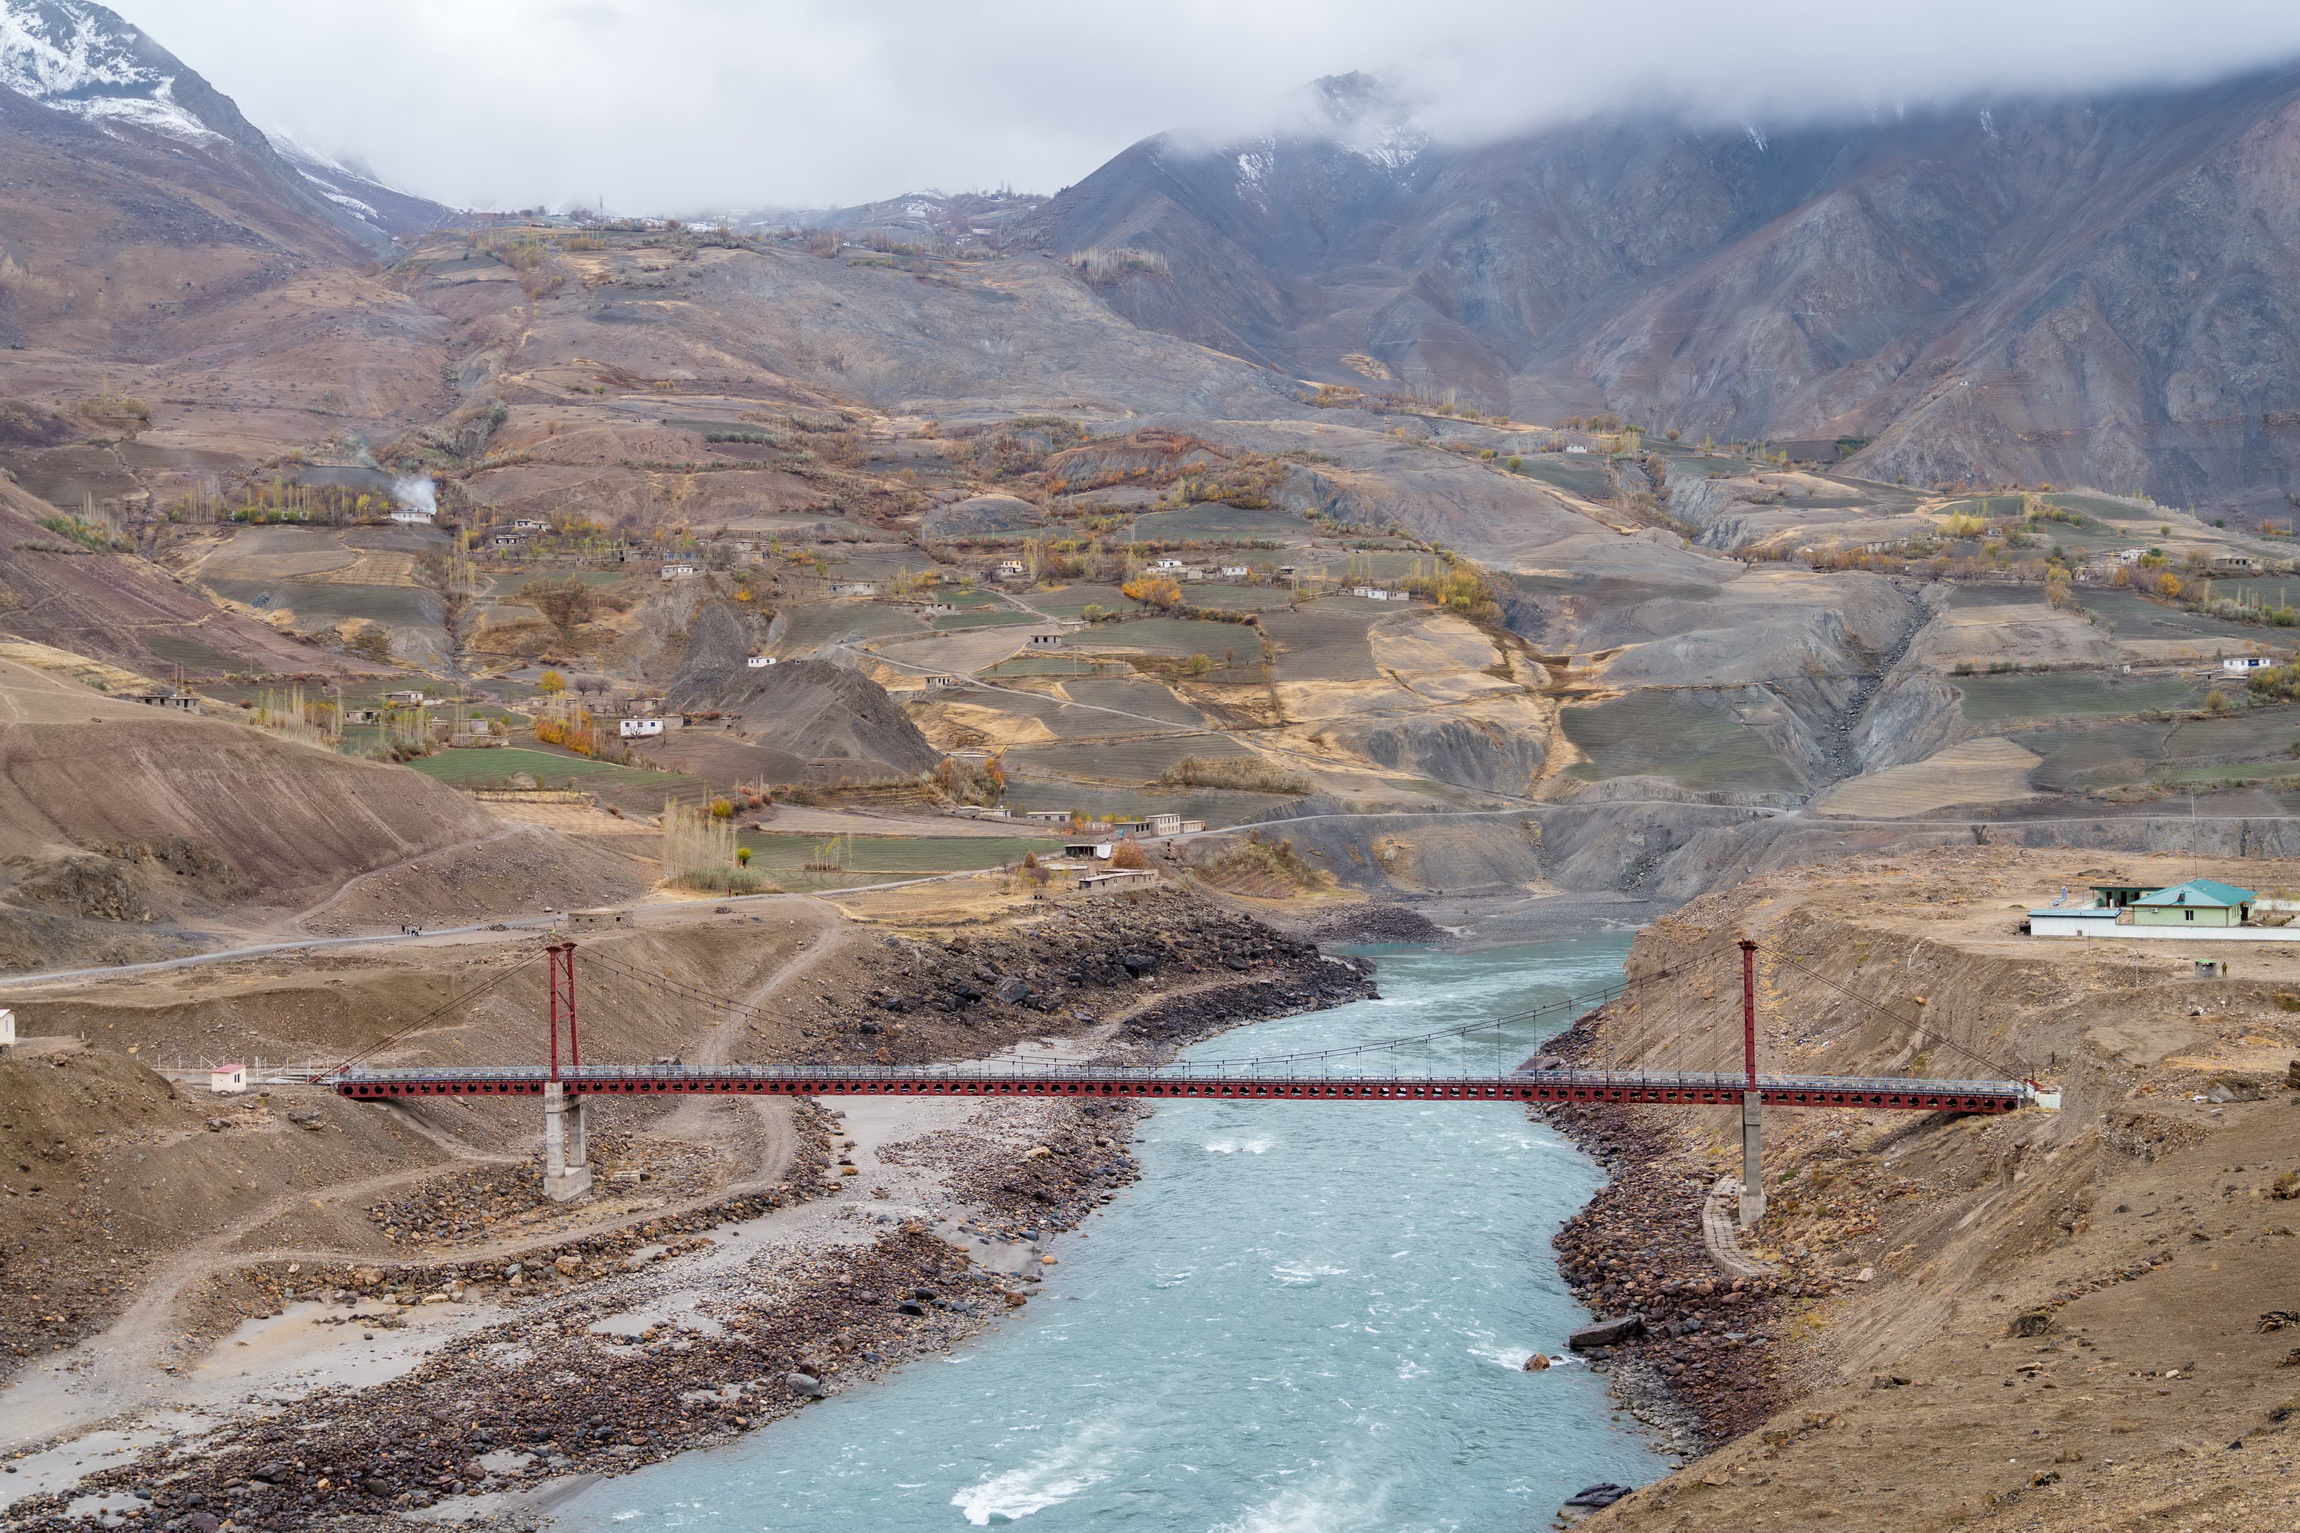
2010, 699
1173, 637
1213, 521
989, 617
784, 857
319, 604
2136, 617
1238, 598
1584, 477
810, 626
494, 768
1216, 806
1072, 601
2253, 744
1690, 739
1326, 641
1135, 695
1129, 761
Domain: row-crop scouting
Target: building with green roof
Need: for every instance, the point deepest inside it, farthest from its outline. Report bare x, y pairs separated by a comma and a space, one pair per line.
2199, 902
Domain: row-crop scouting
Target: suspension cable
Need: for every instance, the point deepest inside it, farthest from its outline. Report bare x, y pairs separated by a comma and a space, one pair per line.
2019, 1070
441, 1009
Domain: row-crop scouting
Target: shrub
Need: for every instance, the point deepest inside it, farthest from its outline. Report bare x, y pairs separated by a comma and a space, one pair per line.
1253, 774
1128, 854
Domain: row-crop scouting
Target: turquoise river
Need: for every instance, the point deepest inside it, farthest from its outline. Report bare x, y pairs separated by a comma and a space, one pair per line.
1305, 1318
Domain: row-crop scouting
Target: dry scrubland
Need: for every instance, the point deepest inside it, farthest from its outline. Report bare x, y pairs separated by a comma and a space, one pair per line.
2074, 1320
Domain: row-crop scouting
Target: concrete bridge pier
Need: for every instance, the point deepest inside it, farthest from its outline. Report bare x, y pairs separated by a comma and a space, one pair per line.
1752, 1157
566, 1155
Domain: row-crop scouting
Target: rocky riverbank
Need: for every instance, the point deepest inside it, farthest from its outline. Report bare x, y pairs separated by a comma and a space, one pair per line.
905, 1226
1699, 1365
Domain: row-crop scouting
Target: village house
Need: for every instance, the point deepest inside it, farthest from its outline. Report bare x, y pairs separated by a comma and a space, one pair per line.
165, 697
2245, 665
635, 729
1236, 572
681, 571
530, 524
760, 662
855, 588
2199, 908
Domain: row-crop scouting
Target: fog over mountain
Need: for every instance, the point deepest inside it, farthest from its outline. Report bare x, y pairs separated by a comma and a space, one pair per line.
664, 104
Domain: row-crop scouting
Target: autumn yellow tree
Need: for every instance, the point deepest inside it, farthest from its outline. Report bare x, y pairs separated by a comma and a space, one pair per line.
1153, 591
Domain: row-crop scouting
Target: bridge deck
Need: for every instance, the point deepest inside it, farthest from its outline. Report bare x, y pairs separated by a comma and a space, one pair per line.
1519, 1086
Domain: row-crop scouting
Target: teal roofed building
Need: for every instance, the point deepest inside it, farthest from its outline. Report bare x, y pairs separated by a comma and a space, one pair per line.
2199, 902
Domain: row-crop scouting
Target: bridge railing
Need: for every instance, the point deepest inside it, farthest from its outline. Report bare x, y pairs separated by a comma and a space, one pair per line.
1707, 1080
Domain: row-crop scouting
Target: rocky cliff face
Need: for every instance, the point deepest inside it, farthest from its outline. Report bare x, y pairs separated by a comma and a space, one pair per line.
2096, 291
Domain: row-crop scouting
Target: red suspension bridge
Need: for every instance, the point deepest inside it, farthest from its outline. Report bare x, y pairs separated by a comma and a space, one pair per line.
564, 1084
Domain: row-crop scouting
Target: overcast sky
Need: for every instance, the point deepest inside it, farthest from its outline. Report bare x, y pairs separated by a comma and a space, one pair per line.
689, 105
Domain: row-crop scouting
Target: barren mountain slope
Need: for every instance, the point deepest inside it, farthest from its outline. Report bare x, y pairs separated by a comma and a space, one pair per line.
191, 301
80, 772
2055, 1320
117, 608
2023, 289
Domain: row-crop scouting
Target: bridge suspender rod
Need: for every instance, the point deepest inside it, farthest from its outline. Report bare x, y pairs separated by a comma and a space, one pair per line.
1752, 1100
574, 1043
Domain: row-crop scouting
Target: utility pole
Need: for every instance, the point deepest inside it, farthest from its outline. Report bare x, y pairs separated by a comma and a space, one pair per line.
1752, 1100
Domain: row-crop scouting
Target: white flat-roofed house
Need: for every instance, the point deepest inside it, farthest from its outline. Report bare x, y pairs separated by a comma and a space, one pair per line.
1236, 571
2245, 665
681, 570
638, 729
760, 662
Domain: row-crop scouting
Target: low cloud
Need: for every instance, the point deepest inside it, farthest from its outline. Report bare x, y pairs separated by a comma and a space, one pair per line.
689, 105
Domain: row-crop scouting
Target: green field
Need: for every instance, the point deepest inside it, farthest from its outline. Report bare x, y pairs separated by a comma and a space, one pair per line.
781, 854
496, 765
2176, 749
2007, 699
1691, 739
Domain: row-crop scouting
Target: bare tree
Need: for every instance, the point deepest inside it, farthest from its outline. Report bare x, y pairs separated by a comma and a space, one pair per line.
453, 603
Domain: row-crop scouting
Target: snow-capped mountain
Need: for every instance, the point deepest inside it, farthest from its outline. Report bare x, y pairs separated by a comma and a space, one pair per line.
85, 60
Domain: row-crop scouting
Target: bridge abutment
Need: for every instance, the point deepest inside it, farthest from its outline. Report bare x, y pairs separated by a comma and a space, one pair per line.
566, 1148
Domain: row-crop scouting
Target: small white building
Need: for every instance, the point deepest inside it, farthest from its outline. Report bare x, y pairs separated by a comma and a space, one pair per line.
2131, 555
760, 662
1046, 641
681, 571
1236, 572
2245, 665
1165, 824
228, 1080
1050, 816
530, 524
1165, 564
410, 516
406, 699
1575, 447
637, 729
7, 1031
856, 588
1012, 569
